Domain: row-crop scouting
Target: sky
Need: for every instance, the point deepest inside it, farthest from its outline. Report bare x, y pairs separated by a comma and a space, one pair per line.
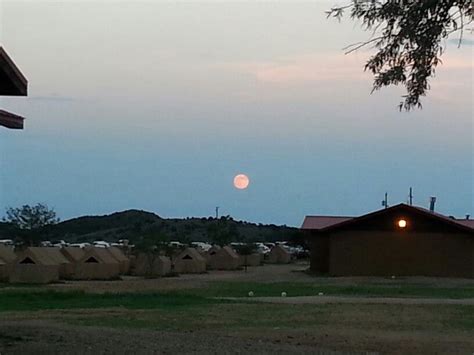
158, 105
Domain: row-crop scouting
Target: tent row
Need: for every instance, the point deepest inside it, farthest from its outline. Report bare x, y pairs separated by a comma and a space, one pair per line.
45, 265
50, 264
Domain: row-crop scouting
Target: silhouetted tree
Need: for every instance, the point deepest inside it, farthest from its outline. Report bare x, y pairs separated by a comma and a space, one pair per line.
31, 221
407, 35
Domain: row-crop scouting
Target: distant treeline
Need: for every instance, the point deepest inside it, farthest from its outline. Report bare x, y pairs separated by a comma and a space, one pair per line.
137, 225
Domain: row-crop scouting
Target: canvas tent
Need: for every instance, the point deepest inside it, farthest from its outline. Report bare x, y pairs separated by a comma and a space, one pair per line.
123, 261
35, 265
254, 259
7, 259
211, 252
65, 266
224, 259
151, 265
279, 255
189, 261
92, 263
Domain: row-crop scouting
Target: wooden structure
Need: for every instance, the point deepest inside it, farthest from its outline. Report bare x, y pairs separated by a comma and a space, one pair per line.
402, 240
12, 83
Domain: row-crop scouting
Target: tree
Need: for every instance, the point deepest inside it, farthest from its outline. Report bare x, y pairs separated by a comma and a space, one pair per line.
222, 231
31, 217
407, 36
152, 246
30, 220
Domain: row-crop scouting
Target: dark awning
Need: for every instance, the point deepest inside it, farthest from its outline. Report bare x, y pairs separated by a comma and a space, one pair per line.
11, 120
12, 81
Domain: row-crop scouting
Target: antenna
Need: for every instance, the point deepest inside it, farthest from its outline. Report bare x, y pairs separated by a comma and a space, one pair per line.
385, 201
410, 196
217, 212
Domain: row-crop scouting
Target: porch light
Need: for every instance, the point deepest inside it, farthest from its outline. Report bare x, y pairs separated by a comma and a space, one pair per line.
402, 223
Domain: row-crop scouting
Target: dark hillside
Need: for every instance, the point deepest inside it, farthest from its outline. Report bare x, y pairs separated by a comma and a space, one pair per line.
135, 225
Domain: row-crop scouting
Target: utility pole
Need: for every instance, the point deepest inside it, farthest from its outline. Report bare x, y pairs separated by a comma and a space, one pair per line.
217, 212
385, 201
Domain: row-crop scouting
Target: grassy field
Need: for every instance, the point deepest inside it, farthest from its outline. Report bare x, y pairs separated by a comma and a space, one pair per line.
198, 310
293, 289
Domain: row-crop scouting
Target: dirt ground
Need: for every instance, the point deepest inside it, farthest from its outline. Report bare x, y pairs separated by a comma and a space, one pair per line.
267, 273
49, 332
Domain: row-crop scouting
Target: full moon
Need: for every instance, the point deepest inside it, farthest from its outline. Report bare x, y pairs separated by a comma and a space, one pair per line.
241, 181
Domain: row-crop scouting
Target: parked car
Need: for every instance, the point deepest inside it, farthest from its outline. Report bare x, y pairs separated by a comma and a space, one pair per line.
59, 244
262, 248
269, 245
176, 244
202, 245
79, 245
101, 244
6, 242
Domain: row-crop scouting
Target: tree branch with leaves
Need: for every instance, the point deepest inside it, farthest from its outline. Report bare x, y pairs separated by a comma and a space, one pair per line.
407, 36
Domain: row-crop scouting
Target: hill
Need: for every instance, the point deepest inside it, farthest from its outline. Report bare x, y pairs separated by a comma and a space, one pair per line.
136, 225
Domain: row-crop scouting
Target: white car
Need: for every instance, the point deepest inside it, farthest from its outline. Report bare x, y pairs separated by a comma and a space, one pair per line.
176, 244
80, 245
6, 242
101, 244
202, 245
262, 248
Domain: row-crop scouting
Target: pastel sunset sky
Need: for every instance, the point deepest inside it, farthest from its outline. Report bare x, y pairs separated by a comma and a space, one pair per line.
158, 105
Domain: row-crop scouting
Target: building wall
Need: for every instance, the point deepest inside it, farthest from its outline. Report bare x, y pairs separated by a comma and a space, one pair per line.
386, 253
319, 247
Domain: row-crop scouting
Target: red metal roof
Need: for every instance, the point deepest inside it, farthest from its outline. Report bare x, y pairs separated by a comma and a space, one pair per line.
319, 222
10, 120
328, 222
466, 222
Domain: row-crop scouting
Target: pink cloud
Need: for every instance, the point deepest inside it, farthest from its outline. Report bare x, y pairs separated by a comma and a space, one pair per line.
307, 68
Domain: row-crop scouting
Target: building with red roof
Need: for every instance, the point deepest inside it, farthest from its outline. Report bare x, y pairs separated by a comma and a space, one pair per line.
402, 240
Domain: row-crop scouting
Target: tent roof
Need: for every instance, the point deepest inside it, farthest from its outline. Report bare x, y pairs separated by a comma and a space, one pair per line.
228, 251
102, 254
74, 253
55, 254
193, 253
7, 254
117, 253
38, 255
279, 248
